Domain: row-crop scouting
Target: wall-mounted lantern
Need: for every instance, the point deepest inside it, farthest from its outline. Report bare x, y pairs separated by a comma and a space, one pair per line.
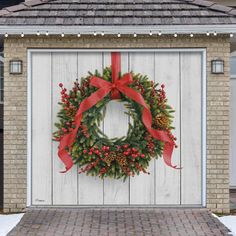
16, 67
217, 66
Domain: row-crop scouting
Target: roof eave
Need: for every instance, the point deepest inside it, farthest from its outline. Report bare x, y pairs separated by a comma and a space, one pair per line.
71, 30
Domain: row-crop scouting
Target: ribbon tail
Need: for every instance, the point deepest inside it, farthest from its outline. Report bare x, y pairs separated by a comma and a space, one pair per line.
167, 155
147, 121
66, 159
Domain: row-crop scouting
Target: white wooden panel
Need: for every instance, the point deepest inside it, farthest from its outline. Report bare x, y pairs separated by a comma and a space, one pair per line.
168, 179
233, 133
142, 189
191, 128
90, 188
116, 125
41, 129
64, 70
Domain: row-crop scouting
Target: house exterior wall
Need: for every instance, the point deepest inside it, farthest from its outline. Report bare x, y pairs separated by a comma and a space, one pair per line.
15, 108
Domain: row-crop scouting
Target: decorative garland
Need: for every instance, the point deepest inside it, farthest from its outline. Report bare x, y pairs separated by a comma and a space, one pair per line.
82, 111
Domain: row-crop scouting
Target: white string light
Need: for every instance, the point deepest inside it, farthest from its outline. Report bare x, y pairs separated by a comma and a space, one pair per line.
159, 33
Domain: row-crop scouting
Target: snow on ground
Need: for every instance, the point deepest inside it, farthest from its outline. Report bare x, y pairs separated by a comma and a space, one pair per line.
8, 222
229, 222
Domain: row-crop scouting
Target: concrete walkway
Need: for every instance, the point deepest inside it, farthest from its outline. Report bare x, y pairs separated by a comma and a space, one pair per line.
118, 222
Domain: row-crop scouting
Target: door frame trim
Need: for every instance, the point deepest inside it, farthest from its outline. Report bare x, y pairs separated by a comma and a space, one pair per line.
203, 105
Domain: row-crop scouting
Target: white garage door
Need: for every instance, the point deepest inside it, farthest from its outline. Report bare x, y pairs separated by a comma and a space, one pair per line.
181, 72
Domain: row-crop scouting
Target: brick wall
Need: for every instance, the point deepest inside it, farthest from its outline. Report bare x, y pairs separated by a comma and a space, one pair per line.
15, 109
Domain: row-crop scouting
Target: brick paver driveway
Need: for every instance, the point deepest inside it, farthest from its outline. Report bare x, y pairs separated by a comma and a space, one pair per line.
125, 221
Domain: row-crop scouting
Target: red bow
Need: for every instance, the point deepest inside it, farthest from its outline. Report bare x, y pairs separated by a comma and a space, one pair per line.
104, 88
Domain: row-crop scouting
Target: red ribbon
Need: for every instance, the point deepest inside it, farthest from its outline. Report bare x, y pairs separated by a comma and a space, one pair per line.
115, 88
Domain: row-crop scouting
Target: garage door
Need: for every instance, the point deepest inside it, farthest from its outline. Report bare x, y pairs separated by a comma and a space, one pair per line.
181, 72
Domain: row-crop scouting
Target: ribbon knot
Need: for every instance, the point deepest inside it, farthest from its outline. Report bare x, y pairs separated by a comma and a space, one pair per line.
115, 87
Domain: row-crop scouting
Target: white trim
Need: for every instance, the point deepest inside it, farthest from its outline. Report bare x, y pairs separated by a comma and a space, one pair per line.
204, 127
29, 108
29, 129
145, 29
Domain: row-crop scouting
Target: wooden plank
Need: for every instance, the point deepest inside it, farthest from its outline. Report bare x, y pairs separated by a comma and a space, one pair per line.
233, 133
142, 187
116, 125
191, 158
64, 70
41, 129
167, 179
90, 188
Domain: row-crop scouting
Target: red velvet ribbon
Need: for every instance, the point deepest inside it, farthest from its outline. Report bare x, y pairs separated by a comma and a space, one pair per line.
115, 88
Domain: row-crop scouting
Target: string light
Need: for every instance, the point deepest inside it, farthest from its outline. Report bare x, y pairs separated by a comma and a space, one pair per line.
118, 35
38, 33
62, 35
6, 35
231, 35
159, 33
215, 34
175, 35
207, 33
78, 35
102, 33
135, 35
191, 35
22, 35
47, 33
150, 33
95, 33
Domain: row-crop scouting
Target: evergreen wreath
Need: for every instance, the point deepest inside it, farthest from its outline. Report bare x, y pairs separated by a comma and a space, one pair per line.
92, 150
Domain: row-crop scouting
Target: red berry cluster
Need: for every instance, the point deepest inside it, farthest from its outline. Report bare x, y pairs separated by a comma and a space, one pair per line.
69, 108
162, 95
133, 152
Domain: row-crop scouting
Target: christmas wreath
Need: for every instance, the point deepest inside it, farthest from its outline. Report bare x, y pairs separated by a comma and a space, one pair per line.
83, 108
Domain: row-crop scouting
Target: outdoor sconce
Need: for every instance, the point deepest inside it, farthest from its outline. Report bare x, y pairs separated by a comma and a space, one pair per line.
217, 66
16, 67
